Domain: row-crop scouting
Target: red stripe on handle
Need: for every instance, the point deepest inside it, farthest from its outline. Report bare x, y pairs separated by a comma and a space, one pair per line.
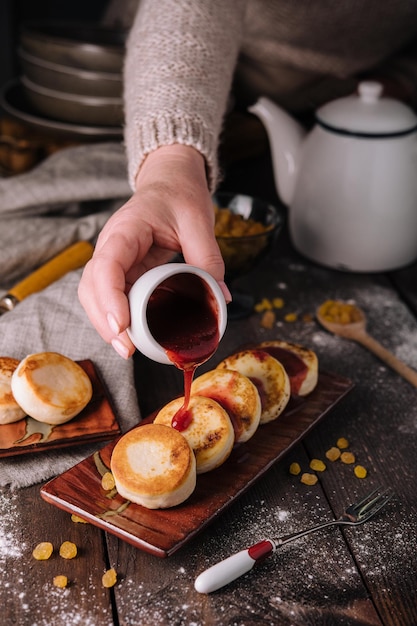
259, 551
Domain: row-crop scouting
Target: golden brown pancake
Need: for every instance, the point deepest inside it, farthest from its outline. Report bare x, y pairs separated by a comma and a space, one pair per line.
10, 411
236, 394
210, 433
153, 465
300, 363
51, 387
269, 377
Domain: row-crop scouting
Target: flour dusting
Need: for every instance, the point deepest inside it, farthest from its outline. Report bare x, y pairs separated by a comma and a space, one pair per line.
24, 595
11, 546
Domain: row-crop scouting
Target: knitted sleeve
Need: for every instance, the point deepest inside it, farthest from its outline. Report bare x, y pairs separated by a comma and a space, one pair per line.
180, 59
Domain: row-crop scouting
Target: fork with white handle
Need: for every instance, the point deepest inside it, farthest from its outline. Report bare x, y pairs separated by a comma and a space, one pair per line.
224, 572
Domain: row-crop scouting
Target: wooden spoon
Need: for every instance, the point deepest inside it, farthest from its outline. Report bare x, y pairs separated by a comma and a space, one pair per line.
355, 329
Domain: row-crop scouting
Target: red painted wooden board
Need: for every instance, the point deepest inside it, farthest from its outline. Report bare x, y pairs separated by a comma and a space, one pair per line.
162, 532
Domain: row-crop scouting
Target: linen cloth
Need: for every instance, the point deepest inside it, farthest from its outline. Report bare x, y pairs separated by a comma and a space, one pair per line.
66, 198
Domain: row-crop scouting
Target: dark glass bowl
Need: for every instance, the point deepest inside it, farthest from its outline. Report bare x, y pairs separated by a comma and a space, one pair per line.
241, 253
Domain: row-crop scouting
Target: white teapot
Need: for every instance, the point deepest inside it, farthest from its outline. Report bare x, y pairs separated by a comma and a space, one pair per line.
351, 183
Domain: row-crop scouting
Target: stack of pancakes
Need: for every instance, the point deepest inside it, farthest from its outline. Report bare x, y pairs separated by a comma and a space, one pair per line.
152, 465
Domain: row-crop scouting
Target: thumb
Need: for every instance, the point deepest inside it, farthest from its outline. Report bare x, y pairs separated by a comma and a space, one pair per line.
202, 250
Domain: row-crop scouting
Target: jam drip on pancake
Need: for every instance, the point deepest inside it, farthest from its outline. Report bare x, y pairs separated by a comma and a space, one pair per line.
224, 399
293, 364
182, 317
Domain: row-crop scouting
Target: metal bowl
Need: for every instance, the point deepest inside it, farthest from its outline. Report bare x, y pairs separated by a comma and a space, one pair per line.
73, 108
14, 102
70, 79
86, 46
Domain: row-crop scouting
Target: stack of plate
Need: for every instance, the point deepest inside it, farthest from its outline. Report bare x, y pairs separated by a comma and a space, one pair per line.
72, 73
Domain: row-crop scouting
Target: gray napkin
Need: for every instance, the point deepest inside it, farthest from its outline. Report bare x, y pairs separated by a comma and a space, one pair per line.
67, 198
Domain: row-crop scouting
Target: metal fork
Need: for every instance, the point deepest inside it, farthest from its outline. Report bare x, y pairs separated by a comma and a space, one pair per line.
224, 572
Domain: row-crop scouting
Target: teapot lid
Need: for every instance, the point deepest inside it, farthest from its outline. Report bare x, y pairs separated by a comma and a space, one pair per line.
367, 114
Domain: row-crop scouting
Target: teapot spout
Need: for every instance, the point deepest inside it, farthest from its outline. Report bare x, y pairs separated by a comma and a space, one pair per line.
286, 136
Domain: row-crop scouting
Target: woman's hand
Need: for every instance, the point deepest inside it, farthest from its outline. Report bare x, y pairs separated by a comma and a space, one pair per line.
171, 211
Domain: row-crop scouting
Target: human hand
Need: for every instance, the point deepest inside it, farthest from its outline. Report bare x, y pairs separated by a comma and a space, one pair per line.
171, 211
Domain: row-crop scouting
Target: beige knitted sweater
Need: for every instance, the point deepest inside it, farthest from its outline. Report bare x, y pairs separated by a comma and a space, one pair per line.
183, 55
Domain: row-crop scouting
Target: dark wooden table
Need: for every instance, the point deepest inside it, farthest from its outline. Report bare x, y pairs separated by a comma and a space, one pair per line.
363, 576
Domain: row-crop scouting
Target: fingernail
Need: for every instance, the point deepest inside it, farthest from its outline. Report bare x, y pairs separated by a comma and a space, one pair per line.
120, 348
226, 292
113, 324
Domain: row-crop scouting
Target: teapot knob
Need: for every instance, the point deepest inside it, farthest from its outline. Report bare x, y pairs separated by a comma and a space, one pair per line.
370, 91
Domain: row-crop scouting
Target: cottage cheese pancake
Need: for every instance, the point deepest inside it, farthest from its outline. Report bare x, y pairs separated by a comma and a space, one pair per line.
236, 394
10, 411
300, 363
154, 466
210, 431
51, 387
269, 377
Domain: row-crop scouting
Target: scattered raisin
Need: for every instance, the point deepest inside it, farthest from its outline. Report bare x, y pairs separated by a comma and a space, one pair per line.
317, 465
333, 454
360, 471
347, 457
290, 317
295, 469
68, 550
342, 443
268, 319
308, 479
43, 551
109, 578
264, 305
60, 581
